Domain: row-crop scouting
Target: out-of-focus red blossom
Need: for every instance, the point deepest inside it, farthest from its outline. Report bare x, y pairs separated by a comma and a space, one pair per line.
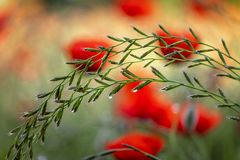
202, 7
136, 8
146, 103
165, 117
170, 40
76, 51
4, 19
206, 120
25, 65
149, 143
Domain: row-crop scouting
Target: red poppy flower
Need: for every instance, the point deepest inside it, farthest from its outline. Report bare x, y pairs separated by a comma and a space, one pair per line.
149, 143
4, 17
202, 119
164, 116
146, 103
136, 8
202, 7
178, 47
76, 51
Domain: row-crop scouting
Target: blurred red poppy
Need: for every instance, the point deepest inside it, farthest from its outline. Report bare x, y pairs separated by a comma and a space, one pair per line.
202, 7
136, 8
182, 47
146, 103
198, 119
149, 143
76, 51
164, 116
4, 17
